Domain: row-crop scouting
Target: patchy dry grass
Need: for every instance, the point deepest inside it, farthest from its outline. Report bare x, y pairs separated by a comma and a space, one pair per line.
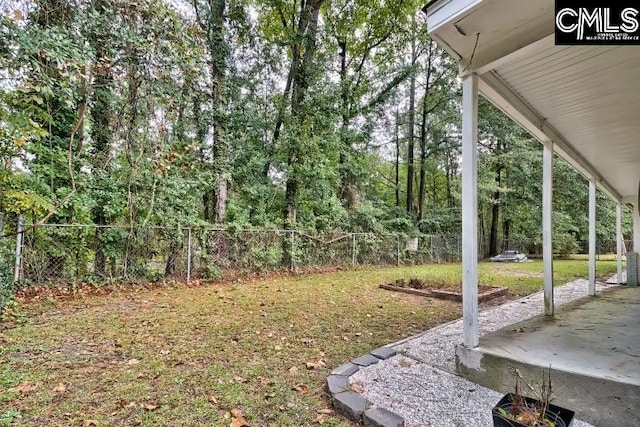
189, 356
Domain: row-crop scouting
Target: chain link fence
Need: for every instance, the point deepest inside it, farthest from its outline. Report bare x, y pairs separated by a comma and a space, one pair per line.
52, 254
67, 254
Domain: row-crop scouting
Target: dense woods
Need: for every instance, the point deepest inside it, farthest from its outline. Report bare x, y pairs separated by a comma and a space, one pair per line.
316, 115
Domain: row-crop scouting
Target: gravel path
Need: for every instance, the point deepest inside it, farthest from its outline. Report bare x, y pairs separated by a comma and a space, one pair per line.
420, 382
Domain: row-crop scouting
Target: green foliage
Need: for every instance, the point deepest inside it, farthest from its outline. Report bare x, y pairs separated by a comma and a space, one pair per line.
7, 418
6, 283
24, 201
135, 113
564, 244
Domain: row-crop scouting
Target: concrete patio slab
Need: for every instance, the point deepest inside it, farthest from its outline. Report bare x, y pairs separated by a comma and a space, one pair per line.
592, 347
420, 382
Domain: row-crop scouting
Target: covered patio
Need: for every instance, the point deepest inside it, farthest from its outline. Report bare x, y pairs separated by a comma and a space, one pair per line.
582, 103
591, 345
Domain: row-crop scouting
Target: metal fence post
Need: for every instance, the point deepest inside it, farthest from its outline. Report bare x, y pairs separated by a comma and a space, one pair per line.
189, 255
397, 249
19, 242
353, 249
431, 248
292, 262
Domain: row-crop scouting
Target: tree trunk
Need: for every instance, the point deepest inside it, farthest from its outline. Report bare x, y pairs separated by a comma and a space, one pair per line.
278, 128
423, 140
215, 197
411, 133
495, 215
481, 232
219, 53
448, 169
506, 233
397, 164
347, 192
300, 72
101, 130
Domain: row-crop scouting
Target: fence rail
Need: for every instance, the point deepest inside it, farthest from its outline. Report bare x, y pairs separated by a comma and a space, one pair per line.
55, 254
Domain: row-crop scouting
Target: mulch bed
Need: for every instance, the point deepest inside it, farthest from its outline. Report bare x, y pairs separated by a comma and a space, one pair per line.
447, 292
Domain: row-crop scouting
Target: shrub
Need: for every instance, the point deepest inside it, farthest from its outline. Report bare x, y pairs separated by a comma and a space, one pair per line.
6, 286
565, 244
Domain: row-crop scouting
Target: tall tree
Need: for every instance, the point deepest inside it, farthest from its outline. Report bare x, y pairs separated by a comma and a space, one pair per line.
411, 130
301, 72
211, 16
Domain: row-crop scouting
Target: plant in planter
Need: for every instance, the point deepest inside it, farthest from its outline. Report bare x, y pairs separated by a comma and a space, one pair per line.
517, 410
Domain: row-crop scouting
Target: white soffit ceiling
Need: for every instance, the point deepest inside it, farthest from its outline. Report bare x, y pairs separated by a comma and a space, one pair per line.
589, 94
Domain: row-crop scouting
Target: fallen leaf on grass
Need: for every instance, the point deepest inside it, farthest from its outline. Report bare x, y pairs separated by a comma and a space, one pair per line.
265, 381
24, 387
238, 422
326, 411
212, 398
132, 362
238, 419
293, 370
89, 423
60, 388
302, 388
320, 419
151, 406
316, 365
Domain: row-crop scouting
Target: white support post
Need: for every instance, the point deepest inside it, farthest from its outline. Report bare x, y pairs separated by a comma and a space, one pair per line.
592, 237
547, 226
470, 210
619, 243
636, 228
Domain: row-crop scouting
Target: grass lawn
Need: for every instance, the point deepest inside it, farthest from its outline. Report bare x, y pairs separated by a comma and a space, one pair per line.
220, 354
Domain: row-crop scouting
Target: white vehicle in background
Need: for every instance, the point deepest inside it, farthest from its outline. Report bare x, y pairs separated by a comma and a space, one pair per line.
509, 256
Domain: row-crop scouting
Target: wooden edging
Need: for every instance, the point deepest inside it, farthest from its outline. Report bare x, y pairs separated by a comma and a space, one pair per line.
408, 290
447, 295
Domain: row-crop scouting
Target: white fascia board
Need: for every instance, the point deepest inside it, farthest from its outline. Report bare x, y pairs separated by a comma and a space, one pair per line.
501, 95
445, 11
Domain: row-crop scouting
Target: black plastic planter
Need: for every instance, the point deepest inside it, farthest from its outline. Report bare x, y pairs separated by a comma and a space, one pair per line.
561, 417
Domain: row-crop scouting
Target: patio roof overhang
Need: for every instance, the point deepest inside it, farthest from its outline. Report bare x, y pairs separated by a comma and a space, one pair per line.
584, 99
582, 102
